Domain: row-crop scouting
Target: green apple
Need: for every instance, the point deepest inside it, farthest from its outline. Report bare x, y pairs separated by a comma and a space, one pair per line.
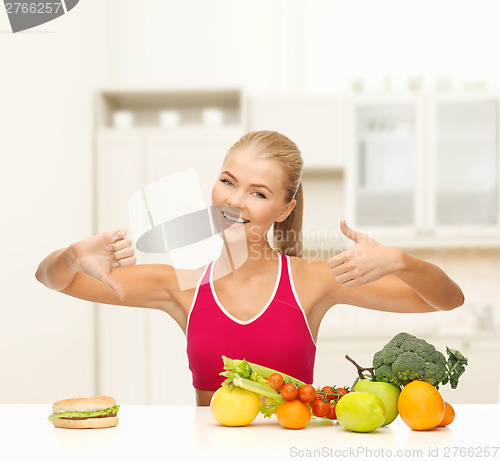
360, 411
387, 392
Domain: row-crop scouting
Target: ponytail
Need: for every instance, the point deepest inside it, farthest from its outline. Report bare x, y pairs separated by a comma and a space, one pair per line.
287, 235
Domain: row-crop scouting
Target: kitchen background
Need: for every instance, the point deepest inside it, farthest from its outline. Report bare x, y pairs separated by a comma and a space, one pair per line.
393, 104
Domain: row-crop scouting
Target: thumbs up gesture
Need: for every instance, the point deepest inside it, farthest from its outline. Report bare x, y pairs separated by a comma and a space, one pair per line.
365, 262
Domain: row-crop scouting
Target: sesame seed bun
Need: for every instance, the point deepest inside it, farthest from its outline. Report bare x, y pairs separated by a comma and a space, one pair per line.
100, 402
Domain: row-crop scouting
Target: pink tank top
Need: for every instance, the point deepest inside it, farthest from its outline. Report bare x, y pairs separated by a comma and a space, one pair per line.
277, 337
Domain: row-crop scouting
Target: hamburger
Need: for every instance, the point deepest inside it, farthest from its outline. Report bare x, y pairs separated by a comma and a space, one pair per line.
85, 413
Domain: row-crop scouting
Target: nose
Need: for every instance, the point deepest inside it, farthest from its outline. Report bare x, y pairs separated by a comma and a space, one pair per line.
236, 200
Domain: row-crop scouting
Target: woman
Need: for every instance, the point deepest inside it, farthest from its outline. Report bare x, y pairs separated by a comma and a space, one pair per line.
269, 307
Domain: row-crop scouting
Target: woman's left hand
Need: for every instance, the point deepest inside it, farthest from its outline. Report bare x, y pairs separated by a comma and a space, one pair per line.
365, 262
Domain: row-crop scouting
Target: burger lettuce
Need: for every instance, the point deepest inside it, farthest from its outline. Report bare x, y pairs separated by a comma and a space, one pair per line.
84, 414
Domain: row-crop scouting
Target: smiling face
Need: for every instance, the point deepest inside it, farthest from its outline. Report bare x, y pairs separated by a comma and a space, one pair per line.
250, 193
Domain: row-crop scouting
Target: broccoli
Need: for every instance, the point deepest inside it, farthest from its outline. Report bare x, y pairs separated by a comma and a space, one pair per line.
406, 358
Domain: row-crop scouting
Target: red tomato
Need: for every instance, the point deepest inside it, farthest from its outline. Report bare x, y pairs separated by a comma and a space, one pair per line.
331, 411
275, 381
319, 408
289, 391
307, 393
329, 391
342, 391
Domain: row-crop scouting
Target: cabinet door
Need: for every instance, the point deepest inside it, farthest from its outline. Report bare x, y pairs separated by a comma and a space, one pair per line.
464, 163
332, 368
313, 123
121, 331
167, 154
483, 367
385, 164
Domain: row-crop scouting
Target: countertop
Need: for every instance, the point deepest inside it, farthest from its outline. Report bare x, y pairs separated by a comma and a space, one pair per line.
176, 432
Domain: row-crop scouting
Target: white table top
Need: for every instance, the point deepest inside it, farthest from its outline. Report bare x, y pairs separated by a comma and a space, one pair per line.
172, 432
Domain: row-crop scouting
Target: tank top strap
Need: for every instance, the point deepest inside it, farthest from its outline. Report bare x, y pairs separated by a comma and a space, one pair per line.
288, 293
285, 283
205, 278
202, 285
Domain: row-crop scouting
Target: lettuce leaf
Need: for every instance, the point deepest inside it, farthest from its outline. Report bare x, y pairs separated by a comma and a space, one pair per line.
84, 414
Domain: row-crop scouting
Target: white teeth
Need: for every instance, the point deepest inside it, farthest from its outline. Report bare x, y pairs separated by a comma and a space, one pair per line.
234, 220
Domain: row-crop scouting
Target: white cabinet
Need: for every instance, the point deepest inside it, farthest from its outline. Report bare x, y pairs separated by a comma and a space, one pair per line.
314, 123
167, 154
425, 167
140, 352
122, 364
481, 381
141, 358
384, 163
464, 162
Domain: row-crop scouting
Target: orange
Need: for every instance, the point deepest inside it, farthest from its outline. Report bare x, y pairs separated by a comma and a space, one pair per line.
449, 415
293, 414
421, 406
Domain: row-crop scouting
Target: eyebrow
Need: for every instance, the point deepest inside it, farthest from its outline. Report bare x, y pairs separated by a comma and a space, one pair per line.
252, 185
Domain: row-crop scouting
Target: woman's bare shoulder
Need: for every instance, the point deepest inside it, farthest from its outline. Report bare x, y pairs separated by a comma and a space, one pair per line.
174, 279
309, 269
311, 278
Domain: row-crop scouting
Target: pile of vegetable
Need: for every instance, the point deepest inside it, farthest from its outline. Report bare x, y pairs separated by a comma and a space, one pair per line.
418, 368
404, 380
279, 390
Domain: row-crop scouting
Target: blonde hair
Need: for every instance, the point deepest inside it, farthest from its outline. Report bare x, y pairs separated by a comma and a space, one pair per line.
287, 235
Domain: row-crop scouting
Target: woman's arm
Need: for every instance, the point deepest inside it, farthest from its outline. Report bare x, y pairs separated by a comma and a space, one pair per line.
387, 278
430, 282
102, 269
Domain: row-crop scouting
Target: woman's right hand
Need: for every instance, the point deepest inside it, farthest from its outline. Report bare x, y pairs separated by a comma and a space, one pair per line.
98, 256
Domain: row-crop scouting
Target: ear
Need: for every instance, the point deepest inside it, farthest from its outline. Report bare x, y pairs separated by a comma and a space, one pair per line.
286, 211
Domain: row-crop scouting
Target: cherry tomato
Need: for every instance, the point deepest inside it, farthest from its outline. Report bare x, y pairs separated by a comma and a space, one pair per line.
331, 414
328, 390
319, 408
307, 393
289, 391
342, 391
275, 381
